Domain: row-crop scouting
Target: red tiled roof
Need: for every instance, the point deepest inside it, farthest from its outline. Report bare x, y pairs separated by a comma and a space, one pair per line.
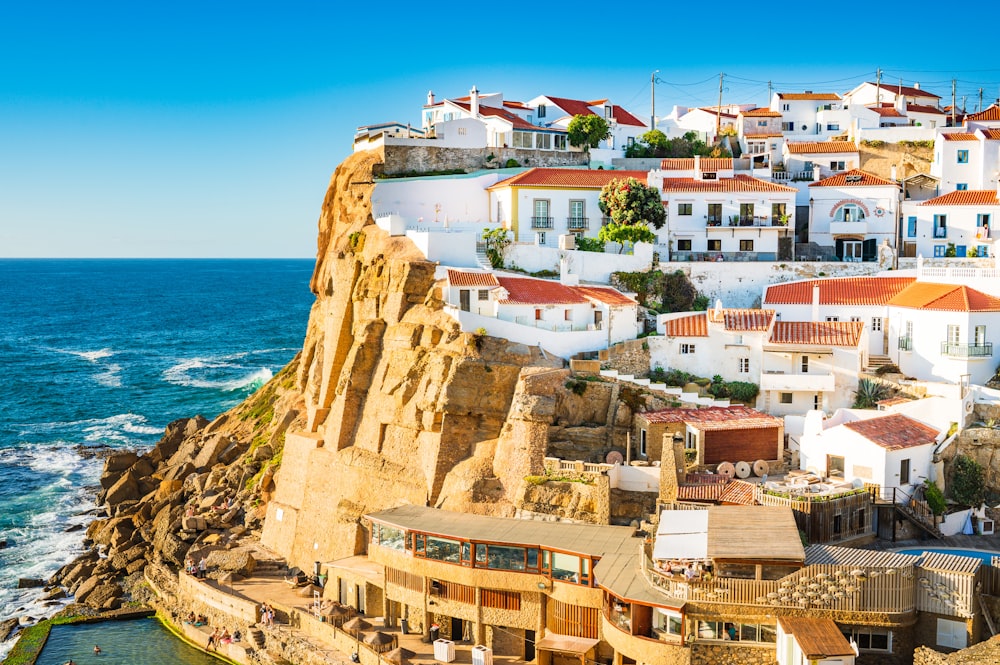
516, 121
739, 183
749, 320
528, 291
840, 180
992, 134
604, 294
694, 325
967, 197
623, 117
517, 105
807, 96
822, 333
765, 135
960, 136
945, 298
838, 291
761, 113
700, 492
906, 90
715, 418
556, 177
820, 147
715, 111
886, 111
738, 492
705, 164
472, 278
579, 107
894, 432
922, 108
989, 113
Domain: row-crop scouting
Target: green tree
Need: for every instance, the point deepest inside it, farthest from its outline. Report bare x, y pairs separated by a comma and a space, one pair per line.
629, 202
588, 130
585, 244
625, 233
497, 240
967, 486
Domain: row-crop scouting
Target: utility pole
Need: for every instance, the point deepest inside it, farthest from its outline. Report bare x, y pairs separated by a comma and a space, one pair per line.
963, 103
878, 85
979, 107
953, 102
652, 97
769, 93
718, 109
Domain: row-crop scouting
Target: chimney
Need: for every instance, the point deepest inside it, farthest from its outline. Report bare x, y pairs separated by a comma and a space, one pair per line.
816, 173
697, 167
474, 102
815, 302
430, 98
916, 85
892, 173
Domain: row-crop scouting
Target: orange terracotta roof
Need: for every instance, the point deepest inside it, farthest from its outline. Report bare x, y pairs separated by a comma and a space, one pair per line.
580, 107
992, 134
763, 136
820, 147
516, 121
604, 294
748, 320
945, 298
838, 291
517, 105
850, 179
556, 177
739, 183
472, 278
623, 117
922, 108
700, 492
694, 325
821, 333
705, 164
809, 96
715, 111
906, 91
960, 136
894, 432
739, 493
967, 197
528, 291
989, 113
886, 111
761, 113
715, 418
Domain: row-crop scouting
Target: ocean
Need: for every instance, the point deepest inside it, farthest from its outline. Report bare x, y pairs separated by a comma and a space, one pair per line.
104, 353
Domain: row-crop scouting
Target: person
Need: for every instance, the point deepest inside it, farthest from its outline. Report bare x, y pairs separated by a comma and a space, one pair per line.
212, 639
731, 632
97, 650
202, 567
191, 618
225, 637
690, 573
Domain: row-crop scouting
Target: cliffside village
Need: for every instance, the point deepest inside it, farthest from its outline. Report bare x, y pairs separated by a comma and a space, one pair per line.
495, 453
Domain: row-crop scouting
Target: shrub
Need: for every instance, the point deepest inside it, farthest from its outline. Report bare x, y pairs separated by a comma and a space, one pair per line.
967, 486
576, 386
743, 391
934, 498
589, 245
869, 394
887, 369
512, 163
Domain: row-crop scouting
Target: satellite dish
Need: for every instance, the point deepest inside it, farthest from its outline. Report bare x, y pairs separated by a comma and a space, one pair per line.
760, 468
614, 457
726, 469
742, 470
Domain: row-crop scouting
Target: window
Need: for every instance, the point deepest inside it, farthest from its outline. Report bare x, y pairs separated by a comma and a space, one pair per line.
786, 107
559, 142
870, 639
833, 127
388, 536
715, 214
462, 131
788, 126
904, 472
746, 245
608, 111
785, 398
746, 212
836, 166
684, 209
762, 123
980, 335
951, 634
691, 443
938, 250
835, 466
940, 226
855, 319
740, 632
543, 141
833, 318
715, 245
577, 212
540, 111
963, 156
522, 140
962, 187
744, 366
667, 622
876, 324
538, 315
684, 244
982, 220
817, 401
687, 348
911, 227
954, 333
484, 294
567, 315
805, 364
849, 213
777, 211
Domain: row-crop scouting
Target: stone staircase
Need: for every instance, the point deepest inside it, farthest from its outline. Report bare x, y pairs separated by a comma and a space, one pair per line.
482, 260
874, 362
256, 638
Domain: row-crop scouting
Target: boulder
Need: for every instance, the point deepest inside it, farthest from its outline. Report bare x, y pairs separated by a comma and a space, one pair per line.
179, 471
135, 566
194, 524
172, 549
86, 588
143, 467
263, 453
120, 461
234, 561
168, 487
29, 583
126, 489
55, 594
210, 451
176, 432
6, 628
103, 594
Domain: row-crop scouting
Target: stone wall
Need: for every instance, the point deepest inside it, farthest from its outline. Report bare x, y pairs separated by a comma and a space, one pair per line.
703, 653
629, 357
421, 159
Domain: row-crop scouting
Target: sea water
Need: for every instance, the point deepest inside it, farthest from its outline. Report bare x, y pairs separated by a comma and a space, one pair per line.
104, 353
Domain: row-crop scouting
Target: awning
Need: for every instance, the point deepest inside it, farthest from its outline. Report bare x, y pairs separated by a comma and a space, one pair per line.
565, 643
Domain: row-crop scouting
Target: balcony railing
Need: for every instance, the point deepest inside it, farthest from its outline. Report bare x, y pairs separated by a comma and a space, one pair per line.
541, 222
723, 256
578, 223
982, 233
748, 220
905, 344
941, 232
953, 350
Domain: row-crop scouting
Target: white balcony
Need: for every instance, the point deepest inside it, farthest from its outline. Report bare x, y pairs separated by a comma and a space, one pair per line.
789, 383
849, 228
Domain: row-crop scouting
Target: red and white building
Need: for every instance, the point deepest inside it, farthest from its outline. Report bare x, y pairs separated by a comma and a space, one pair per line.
810, 116
854, 213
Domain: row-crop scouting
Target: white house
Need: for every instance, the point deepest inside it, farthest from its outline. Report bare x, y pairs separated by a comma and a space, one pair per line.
624, 127
961, 221
760, 135
810, 640
717, 215
988, 118
863, 299
809, 365
944, 332
541, 204
710, 122
870, 94
853, 212
813, 116
562, 319
892, 451
831, 157
967, 159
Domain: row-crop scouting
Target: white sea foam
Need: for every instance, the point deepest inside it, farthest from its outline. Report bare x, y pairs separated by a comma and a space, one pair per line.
215, 374
92, 356
110, 376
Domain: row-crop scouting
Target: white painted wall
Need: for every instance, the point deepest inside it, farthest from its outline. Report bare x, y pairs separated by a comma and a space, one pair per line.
925, 360
635, 478
961, 227
828, 205
893, 134
455, 248
590, 266
561, 344
431, 201
719, 353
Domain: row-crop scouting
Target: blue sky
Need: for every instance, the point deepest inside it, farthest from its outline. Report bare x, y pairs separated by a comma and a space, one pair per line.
211, 129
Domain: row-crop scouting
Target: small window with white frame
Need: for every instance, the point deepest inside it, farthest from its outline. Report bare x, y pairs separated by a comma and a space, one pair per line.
687, 349
785, 398
744, 365
833, 319
876, 324
805, 364
869, 638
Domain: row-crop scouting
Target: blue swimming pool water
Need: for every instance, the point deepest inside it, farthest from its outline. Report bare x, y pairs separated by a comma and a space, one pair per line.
986, 557
139, 642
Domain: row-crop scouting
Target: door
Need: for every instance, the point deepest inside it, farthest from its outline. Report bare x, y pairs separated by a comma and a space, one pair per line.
456, 629
359, 590
529, 645
851, 250
464, 300
834, 466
